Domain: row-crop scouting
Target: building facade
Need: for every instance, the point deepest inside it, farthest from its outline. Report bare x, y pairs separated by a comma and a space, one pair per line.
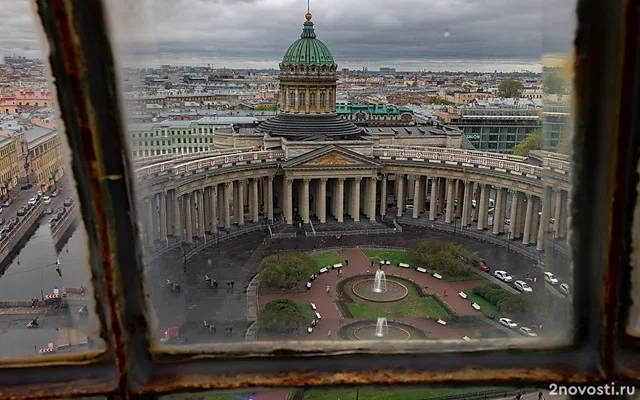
46, 160
375, 114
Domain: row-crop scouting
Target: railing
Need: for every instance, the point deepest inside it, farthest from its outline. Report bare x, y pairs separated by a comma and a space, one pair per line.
185, 157
284, 235
217, 238
380, 231
32, 215
60, 223
312, 228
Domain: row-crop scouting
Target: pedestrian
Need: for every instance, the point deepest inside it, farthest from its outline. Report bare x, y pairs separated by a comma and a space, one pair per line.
372, 263
309, 330
215, 284
328, 289
535, 279
445, 292
540, 395
230, 330
346, 262
232, 283
329, 335
380, 266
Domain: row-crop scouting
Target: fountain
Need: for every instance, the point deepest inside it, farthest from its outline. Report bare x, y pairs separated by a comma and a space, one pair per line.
380, 282
382, 328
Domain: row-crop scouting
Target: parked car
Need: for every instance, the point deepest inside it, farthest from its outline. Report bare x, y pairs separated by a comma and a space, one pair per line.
484, 266
7, 228
54, 193
2, 221
68, 202
7, 203
62, 210
14, 221
39, 194
47, 200
548, 276
49, 210
25, 187
503, 276
22, 211
508, 323
527, 332
564, 288
32, 201
522, 286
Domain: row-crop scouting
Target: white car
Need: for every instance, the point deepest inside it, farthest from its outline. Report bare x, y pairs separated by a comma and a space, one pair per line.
502, 275
548, 276
32, 201
522, 286
527, 332
508, 323
47, 200
564, 288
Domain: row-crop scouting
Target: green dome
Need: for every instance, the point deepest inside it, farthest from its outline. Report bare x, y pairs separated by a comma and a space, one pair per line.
308, 50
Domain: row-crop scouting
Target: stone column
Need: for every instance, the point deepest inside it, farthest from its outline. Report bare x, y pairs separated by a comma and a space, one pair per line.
476, 197
557, 213
372, 198
562, 220
254, 200
228, 191
450, 201
497, 212
340, 200
356, 199
322, 200
269, 198
383, 196
466, 204
187, 211
416, 197
213, 204
460, 198
401, 194
288, 200
148, 222
482, 207
177, 217
163, 216
201, 229
171, 218
513, 217
304, 209
527, 220
240, 202
441, 195
535, 219
433, 206
544, 218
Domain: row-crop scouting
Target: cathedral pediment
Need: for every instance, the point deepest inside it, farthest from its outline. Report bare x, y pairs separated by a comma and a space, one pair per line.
330, 157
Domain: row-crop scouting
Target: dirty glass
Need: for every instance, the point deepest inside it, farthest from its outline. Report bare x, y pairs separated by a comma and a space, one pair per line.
420, 197
46, 299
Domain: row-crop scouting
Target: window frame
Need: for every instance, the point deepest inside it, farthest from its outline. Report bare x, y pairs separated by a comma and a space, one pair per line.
82, 63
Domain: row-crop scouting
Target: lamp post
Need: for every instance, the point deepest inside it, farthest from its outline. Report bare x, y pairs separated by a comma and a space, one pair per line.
508, 240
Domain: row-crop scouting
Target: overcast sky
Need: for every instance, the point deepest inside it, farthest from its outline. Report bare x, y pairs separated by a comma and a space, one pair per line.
414, 34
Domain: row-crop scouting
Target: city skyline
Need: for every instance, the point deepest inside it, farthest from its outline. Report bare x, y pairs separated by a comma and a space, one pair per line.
466, 36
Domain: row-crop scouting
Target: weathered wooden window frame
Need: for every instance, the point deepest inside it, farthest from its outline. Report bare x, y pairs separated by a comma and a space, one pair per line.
605, 147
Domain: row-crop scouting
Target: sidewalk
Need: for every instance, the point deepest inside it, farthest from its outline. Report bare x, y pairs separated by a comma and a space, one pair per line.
23, 310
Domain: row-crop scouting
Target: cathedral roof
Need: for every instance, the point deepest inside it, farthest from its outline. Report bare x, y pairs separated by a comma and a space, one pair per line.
308, 50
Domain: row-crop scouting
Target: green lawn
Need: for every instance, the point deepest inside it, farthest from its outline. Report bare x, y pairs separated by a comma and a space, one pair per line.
473, 276
389, 394
393, 256
412, 306
486, 307
306, 310
327, 258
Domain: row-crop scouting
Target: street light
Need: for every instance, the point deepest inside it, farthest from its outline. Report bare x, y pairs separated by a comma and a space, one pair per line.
508, 240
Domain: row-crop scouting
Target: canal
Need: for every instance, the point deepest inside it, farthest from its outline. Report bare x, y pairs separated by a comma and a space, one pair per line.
32, 272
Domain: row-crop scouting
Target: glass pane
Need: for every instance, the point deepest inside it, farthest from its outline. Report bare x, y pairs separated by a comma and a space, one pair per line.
398, 393
46, 301
354, 188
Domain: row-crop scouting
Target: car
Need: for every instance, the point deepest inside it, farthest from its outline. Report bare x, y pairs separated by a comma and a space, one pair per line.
21, 211
527, 332
549, 278
503, 276
7, 228
25, 187
48, 211
2, 221
68, 202
564, 288
62, 210
32, 201
522, 286
39, 194
14, 220
508, 323
47, 200
7, 203
54, 193
484, 266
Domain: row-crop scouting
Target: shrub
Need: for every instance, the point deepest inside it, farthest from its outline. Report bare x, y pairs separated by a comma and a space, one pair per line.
282, 316
286, 270
446, 258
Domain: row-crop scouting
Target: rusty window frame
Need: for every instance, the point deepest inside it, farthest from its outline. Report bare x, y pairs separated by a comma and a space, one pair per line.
607, 86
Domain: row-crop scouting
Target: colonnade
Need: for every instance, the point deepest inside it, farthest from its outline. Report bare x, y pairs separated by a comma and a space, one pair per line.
193, 213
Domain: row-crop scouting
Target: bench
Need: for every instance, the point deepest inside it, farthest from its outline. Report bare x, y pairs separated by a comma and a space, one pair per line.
308, 285
476, 306
403, 265
323, 270
313, 306
337, 266
463, 295
466, 338
437, 275
318, 315
441, 322
387, 262
420, 269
